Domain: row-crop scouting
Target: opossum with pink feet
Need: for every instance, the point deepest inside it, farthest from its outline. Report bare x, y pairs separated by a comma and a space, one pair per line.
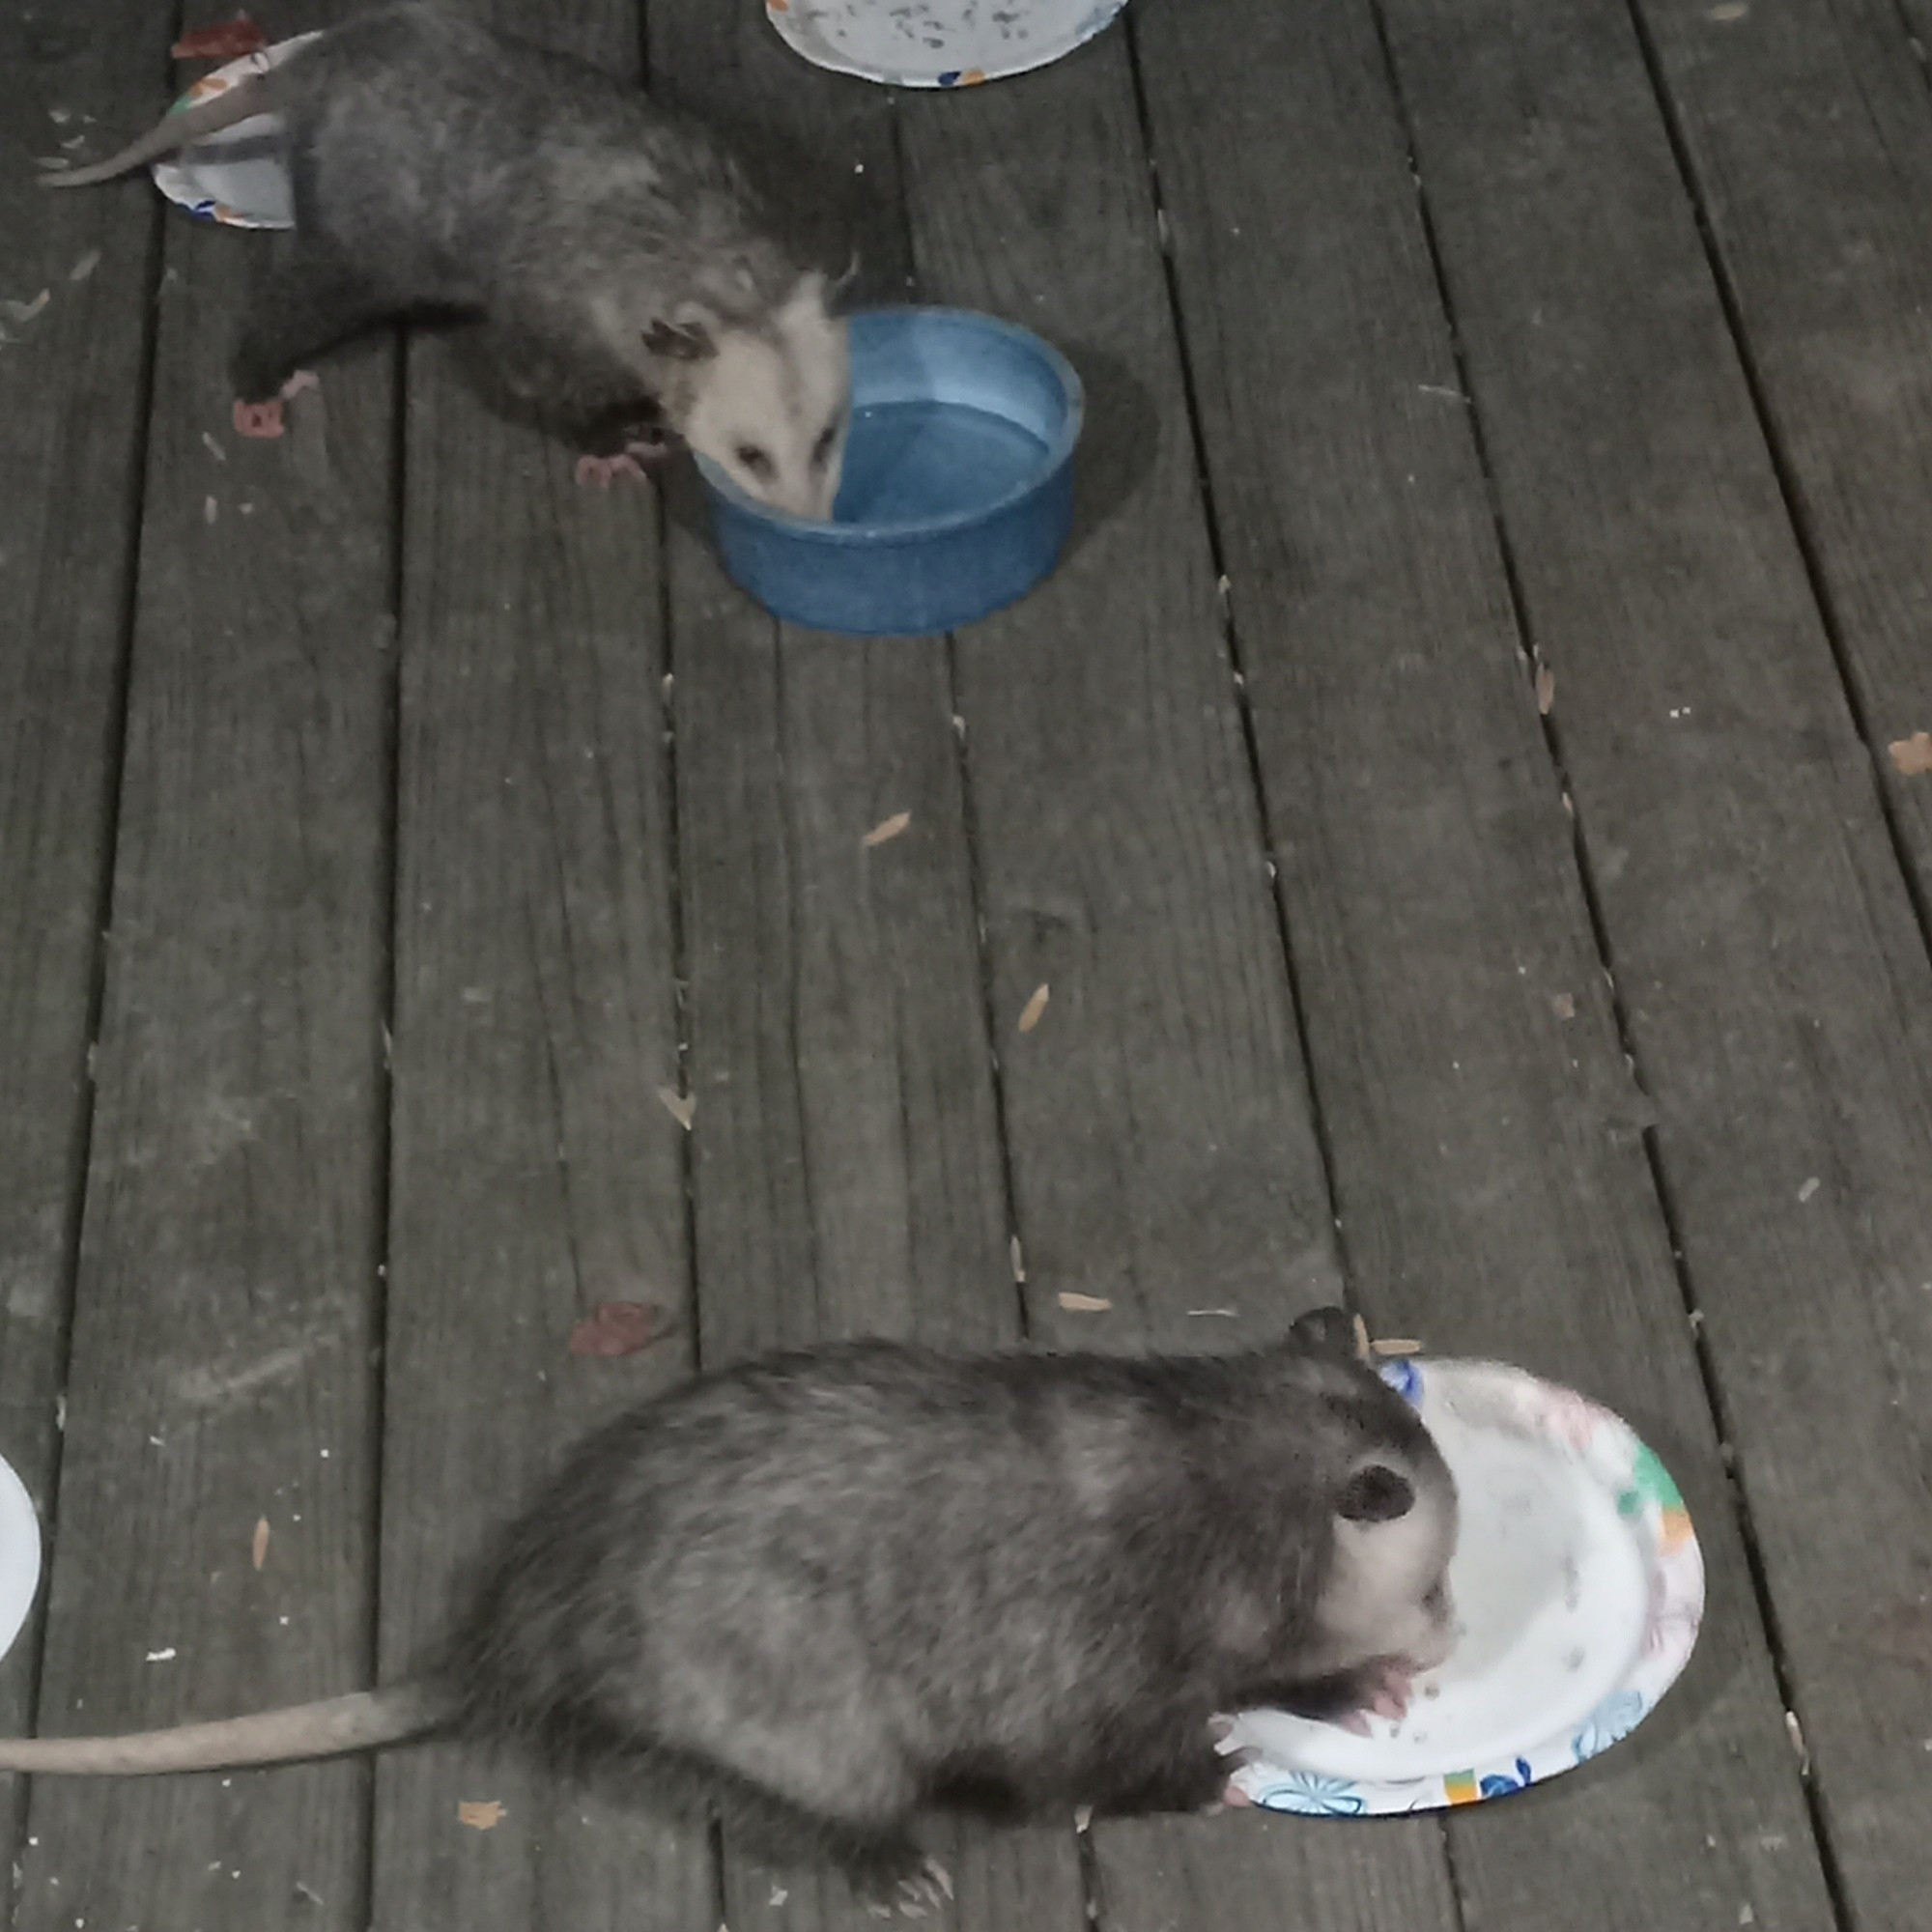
825, 1592
604, 264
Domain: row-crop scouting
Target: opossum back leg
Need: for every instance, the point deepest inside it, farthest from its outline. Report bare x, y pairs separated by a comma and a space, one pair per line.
603, 412
869, 1839
309, 303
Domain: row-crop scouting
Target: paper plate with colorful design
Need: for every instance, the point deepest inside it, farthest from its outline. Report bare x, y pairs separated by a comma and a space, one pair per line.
235, 177
1579, 1585
20, 1555
937, 43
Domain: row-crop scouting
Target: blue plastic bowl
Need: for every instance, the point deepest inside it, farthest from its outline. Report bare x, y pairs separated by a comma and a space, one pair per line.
958, 485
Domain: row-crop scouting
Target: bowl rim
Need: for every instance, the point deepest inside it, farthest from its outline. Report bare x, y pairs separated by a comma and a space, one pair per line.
822, 530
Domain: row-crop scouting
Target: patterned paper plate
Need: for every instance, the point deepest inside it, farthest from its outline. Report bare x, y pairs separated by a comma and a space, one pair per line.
235, 177
937, 43
1580, 1587
20, 1555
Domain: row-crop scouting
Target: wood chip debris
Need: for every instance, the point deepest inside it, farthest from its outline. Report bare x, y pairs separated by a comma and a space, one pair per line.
215, 449
886, 828
1019, 1261
85, 267
1030, 1013
680, 1106
1913, 756
1563, 1006
1809, 1188
1545, 689
26, 311
480, 1814
1084, 1304
1361, 1340
167, 1655
259, 1552
1395, 1345
1730, 10
619, 1328
209, 509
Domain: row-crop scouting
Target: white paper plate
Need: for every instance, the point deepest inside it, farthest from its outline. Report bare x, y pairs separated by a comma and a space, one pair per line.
235, 177
20, 1555
1580, 1588
937, 43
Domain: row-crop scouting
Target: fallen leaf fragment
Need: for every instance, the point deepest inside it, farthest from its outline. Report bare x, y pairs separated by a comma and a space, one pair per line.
680, 1106
1904, 1634
1084, 1304
1545, 689
1913, 756
886, 828
229, 40
480, 1814
260, 1551
619, 1328
1030, 1013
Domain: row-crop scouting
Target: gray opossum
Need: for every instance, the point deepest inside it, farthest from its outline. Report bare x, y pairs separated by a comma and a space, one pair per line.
605, 263
828, 1590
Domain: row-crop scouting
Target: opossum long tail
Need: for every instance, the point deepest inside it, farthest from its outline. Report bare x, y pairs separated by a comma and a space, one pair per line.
179, 128
359, 1722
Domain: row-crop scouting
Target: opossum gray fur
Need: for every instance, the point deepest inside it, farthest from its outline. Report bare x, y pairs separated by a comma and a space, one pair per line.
828, 1590
605, 262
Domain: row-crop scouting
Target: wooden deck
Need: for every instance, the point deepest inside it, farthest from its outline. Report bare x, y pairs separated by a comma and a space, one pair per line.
383, 822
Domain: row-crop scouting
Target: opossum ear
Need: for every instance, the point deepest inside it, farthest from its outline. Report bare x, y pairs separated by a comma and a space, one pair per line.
1375, 1494
1326, 1331
682, 341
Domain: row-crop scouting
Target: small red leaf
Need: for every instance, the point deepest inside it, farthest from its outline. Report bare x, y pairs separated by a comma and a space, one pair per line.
230, 40
619, 1328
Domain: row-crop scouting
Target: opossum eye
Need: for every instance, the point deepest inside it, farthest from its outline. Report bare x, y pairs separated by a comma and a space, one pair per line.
754, 459
1375, 1494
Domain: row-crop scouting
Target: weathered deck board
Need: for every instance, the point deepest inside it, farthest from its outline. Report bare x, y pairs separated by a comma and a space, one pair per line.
847, 1176
1776, 985
220, 1366
536, 1171
1162, 1148
1485, 1135
1808, 132
73, 400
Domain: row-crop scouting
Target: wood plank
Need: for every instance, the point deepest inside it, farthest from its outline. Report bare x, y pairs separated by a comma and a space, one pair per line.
848, 1177
220, 1366
72, 396
536, 1172
1808, 132
1766, 954
1490, 1177
1163, 1154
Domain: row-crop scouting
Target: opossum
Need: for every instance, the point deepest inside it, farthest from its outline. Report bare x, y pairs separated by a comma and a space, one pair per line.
832, 1589
605, 264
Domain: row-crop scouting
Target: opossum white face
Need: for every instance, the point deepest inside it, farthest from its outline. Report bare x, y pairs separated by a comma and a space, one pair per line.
1388, 1595
771, 404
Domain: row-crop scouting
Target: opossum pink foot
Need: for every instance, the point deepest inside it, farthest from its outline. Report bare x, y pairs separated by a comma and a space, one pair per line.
1389, 1686
600, 471
650, 451
1234, 1799
260, 420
